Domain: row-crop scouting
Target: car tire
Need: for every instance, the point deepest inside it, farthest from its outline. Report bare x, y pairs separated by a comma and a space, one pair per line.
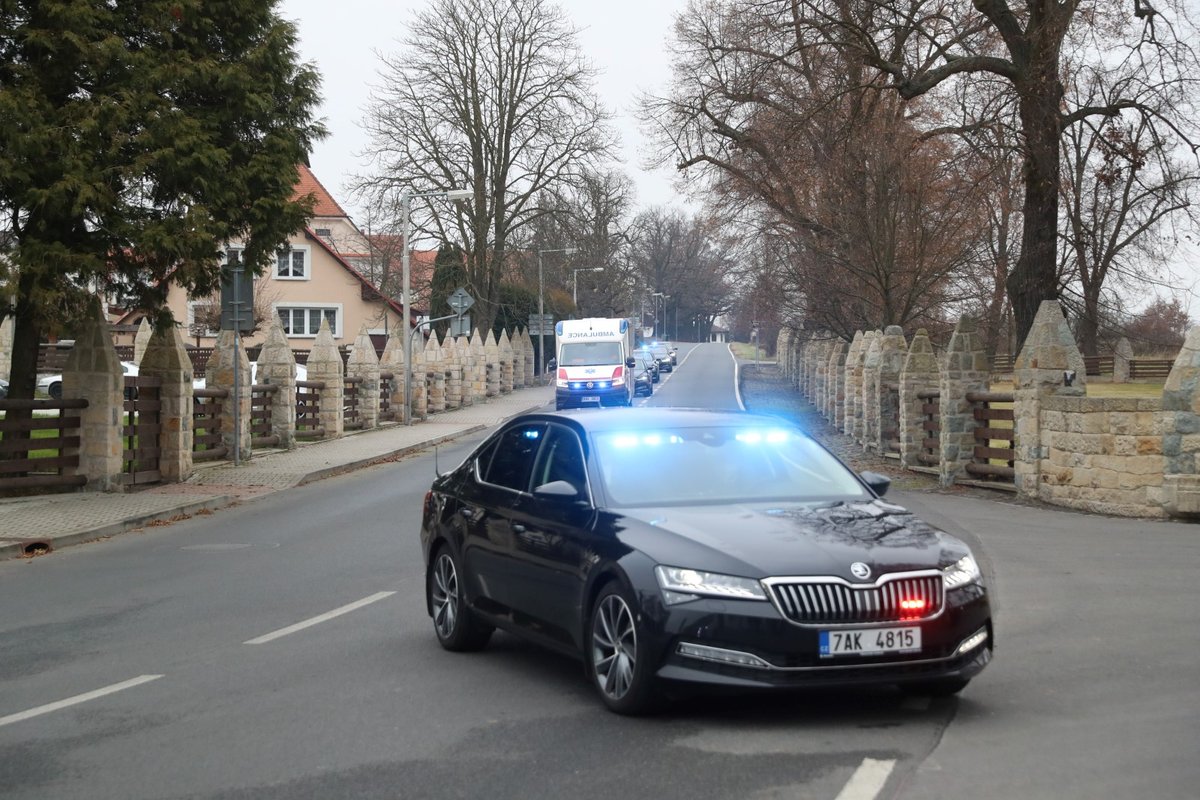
456, 626
940, 687
613, 657
55, 390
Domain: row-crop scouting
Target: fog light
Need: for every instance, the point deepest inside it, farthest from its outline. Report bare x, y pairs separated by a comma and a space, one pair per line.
971, 642
722, 656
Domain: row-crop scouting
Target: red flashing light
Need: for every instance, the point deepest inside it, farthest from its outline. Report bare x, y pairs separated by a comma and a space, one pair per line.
913, 607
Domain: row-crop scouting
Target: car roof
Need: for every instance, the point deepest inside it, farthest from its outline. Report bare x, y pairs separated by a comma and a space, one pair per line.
611, 419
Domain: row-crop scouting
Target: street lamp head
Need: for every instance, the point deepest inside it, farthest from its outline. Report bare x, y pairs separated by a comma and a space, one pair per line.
459, 194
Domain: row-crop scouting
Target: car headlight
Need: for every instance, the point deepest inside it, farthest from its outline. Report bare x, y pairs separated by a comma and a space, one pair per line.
961, 573
681, 585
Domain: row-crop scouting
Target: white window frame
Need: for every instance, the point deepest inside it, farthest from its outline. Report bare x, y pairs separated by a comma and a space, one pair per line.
339, 319
308, 268
191, 317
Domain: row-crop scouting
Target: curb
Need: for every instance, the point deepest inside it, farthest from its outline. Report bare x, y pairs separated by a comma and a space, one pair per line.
16, 548
351, 466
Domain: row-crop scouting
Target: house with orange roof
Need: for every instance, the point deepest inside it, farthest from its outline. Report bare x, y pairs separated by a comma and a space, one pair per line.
328, 270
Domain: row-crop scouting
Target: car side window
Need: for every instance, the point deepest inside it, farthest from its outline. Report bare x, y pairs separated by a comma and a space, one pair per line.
513, 456
561, 459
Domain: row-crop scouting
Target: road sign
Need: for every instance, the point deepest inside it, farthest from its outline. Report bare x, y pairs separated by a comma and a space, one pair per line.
541, 324
460, 300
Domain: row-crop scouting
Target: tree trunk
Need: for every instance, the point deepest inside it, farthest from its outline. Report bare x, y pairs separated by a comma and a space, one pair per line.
1089, 326
23, 375
1034, 278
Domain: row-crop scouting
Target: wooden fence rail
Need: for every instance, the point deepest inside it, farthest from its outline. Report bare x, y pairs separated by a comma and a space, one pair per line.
993, 415
31, 461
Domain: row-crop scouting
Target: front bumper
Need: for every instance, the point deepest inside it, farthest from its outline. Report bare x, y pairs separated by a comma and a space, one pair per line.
590, 398
739, 643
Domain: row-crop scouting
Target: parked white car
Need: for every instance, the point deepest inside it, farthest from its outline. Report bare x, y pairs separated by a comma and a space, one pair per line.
52, 384
301, 375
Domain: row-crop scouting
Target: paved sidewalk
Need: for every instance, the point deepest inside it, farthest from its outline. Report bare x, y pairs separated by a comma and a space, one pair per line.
37, 524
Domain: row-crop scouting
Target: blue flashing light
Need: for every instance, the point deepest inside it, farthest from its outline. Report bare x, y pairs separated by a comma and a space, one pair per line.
624, 325
558, 329
625, 440
776, 437
652, 439
749, 437
532, 434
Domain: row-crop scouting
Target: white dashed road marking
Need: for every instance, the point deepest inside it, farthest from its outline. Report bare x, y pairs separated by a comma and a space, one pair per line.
308, 623
867, 780
77, 699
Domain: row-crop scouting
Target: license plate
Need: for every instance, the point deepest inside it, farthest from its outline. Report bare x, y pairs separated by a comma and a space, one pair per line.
870, 641
589, 399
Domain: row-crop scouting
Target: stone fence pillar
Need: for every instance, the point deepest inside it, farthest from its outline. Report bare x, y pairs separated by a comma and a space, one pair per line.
1181, 431
920, 373
435, 374
836, 377
166, 358
393, 362
852, 385
454, 373
506, 363
869, 430
420, 380
325, 365
1049, 351
7, 328
479, 358
93, 372
491, 349
364, 364
892, 352
1121, 358
277, 367
140, 341
227, 352
965, 369
820, 359
518, 346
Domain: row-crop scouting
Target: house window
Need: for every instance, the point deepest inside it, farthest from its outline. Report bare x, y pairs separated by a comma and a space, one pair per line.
306, 320
203, 317
291, 263
231, 256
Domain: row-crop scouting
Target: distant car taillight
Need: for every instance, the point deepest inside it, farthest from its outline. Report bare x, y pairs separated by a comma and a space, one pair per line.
428, 505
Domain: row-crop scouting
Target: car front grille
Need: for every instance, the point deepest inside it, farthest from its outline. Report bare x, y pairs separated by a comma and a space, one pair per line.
835, 602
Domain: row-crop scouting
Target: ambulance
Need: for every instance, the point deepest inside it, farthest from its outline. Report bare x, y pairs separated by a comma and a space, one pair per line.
594, 363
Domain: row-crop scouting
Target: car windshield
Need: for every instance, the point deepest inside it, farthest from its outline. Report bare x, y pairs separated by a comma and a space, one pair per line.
660, 351
707, 465
589, 354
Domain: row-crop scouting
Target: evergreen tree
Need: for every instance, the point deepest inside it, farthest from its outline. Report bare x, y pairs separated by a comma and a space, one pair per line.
137, 138
449, 273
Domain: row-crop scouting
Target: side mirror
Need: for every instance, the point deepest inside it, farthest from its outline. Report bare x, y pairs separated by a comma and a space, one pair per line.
556, 490
877, 483
631, 362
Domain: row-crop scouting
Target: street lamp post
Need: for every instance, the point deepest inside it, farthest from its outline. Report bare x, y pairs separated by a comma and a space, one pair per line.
541, 362
663, 301
575, 282
406, 198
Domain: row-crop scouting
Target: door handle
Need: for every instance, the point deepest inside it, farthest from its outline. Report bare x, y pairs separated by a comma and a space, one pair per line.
518, 528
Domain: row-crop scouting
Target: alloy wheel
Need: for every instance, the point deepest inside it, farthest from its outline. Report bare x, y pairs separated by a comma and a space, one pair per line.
614, 647
444, 595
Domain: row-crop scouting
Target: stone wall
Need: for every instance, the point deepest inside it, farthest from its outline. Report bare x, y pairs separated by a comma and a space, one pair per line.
1135, 457
1102, 454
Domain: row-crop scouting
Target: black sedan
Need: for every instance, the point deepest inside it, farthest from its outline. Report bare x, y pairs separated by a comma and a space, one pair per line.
678, 546
662, 356
643, 376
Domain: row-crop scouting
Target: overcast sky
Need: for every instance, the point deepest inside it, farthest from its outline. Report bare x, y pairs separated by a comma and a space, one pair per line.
624, 39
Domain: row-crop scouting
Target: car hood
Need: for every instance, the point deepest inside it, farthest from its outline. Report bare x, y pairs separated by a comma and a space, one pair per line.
781, 540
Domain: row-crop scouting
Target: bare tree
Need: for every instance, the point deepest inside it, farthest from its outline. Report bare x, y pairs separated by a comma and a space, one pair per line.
925, 46
879, 216
495, 97
1122, 188
687, 261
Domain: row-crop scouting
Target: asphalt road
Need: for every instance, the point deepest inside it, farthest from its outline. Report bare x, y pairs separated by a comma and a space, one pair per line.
219, 688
